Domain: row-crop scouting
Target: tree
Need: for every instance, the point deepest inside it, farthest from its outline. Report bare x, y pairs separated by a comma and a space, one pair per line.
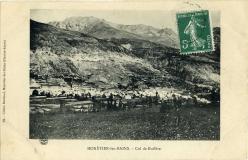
35, 93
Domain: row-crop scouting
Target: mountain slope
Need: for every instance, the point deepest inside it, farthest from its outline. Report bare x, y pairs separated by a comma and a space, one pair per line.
62, 40
68, 56
164, 36
63, 54
189, 71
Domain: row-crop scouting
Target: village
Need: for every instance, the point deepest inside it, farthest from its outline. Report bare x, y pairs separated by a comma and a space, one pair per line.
45, 102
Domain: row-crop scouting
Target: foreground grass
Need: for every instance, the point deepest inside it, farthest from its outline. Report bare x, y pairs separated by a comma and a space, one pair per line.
199, 123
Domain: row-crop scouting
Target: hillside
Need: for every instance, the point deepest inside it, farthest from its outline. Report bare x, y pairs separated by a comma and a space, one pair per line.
60, 56
65, 55
165, 36
191, 69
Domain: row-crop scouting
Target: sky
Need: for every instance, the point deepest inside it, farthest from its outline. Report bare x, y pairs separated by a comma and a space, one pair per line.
157, 19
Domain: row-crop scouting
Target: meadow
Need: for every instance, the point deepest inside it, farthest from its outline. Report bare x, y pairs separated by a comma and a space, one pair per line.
154, 122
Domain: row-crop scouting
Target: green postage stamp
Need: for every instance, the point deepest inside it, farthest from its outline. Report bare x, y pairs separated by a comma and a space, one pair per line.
195, 32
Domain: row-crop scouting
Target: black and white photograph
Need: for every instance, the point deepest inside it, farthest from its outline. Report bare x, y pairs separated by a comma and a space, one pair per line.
119, 75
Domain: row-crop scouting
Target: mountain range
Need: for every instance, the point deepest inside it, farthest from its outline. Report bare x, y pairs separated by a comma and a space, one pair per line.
103, 29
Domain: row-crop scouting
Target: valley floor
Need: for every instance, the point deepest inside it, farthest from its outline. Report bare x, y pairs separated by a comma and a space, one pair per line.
195, 123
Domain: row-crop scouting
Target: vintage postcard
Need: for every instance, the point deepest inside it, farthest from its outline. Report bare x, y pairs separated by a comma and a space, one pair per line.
123, 80
94, 78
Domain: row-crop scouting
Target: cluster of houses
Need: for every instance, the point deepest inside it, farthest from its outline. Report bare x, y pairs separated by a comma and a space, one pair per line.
44, 103
59, 99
